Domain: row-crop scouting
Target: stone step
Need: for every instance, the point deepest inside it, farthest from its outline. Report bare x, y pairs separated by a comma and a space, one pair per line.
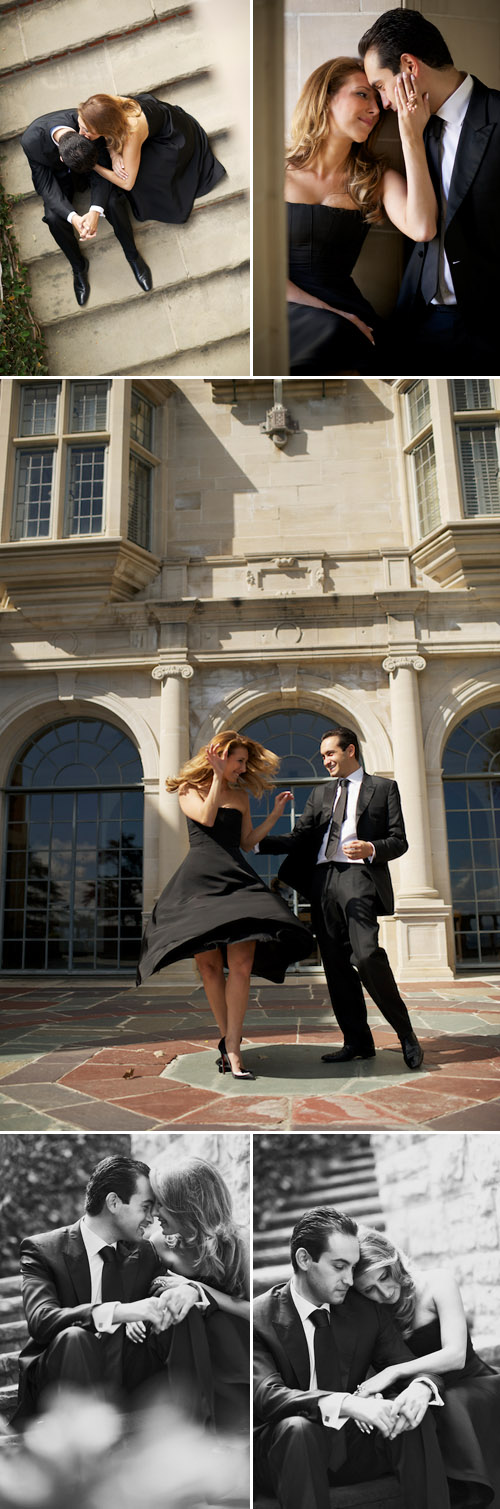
184, 320
194, 95
9, 1368
11, 1284
12, 1333
35, 241
8, 1399
27, 30
11, 1307
153, 58
214, 360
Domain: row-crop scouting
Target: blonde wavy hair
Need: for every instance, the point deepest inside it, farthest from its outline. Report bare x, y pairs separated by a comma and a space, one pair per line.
260, 774
111, 117
194, 1195
376, 1252
309, 131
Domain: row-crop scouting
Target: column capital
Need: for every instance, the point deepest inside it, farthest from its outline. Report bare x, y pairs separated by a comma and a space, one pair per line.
398, 662
179, 670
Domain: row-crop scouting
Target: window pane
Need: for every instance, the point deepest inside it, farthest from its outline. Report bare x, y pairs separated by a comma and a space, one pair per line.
139, 513
426, 485
88, 408
33, 494
472, 393
418, 407
85, 495
38, 408
141, 420
480, 469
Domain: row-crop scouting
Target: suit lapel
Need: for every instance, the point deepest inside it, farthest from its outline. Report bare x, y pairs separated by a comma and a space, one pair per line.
365, 795
129, 1271
291, 1333
77, 1264
345, 1339
327, 799
473, 141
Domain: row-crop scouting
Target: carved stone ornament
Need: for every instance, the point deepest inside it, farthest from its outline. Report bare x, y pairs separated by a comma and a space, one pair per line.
161, 672
397, 662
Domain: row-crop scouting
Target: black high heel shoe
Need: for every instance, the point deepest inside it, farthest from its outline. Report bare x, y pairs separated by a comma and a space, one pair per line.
223, 1062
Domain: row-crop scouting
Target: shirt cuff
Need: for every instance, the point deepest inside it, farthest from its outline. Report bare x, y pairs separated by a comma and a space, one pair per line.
70, 216
203, 1301
371, 856
103, 1317
329, 1408
98, 209
435, 1395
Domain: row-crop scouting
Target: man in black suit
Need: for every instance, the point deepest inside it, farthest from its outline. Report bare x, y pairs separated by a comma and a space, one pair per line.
315, 1339
82, 1284
338, 856
58, 154
449, 303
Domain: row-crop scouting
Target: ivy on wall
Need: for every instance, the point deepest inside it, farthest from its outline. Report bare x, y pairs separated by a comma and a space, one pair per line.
43, 1183
22, 350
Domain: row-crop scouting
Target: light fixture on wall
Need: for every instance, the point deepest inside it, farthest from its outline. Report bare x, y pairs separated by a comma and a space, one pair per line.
279, 424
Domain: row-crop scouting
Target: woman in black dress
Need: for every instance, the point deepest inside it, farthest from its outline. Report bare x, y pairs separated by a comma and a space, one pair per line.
429, 1310
159, 154
335, 188
215, 908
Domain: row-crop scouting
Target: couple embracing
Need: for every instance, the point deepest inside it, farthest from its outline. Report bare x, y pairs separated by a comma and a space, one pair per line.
217, 910
336, 185
111, 1311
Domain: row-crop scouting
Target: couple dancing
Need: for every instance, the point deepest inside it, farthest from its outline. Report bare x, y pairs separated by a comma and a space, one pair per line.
133, 151
109, 1310
217, 910
355, 1306
336, 186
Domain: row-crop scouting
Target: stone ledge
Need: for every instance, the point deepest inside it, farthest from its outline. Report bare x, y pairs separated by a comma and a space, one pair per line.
26, 32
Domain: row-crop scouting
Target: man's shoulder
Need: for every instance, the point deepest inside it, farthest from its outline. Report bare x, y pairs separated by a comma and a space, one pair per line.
50, 1241
38, 128
267, 1305
382, 782
489, 95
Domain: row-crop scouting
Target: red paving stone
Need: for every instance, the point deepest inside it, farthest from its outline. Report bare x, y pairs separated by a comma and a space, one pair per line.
241, 1113
171, 1101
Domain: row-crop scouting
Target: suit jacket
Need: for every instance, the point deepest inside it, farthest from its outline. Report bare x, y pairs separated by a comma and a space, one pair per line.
472, 230
363, 1336
50, 176
379, 820
56, 1288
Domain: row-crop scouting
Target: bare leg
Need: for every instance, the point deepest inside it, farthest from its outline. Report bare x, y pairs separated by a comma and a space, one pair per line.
240, 960
212, 973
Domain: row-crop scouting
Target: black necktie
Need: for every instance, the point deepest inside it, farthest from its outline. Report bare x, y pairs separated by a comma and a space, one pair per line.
337, 818
430, 275
111, 1276
327, 1374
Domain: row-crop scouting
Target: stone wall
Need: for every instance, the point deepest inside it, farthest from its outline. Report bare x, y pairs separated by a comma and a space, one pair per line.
230, 1154
441, 1198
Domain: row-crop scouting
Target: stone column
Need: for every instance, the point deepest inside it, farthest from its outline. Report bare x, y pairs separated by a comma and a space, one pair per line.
174, 750
270, 335
421, 915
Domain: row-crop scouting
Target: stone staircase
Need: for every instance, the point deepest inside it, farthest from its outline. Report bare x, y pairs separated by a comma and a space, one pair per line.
196, 319
13, 1334
348, 1181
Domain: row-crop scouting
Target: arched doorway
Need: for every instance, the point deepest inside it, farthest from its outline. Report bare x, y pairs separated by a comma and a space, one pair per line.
74, 850
295, 737
471, 776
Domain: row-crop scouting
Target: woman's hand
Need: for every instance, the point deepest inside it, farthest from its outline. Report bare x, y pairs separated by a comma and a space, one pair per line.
119, 167
413, 108
135, 1330
178, 1301
365, 329
217, 761
378, 1383
280, 802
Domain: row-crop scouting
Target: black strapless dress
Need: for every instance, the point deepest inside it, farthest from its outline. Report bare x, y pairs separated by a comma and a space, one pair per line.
177, 164
468, 1426
215, 898
323, 246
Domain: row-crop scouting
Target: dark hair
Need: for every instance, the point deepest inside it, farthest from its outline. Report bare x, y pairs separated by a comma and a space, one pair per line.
77, 151
118, 1175
398, 31
313, 1229
345, 736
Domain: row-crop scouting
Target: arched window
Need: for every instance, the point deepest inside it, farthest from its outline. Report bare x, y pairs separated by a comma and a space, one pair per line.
471, 773
74, 844
294, 736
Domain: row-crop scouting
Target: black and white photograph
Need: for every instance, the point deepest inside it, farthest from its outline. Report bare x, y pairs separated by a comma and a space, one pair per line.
125, 1311
376, 1321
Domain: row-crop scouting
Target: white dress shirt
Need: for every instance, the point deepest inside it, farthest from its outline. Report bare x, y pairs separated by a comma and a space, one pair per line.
453, 113
102, 1315
348, 829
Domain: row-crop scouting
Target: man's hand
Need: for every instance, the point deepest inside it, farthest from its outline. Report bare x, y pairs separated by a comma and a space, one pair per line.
412, 1404
89, 224
176, 1302
375, 1413
358, 849
78, 222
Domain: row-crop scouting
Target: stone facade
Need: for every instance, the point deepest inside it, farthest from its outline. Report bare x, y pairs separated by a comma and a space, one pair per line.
441, 1201
312, 576
229, 1154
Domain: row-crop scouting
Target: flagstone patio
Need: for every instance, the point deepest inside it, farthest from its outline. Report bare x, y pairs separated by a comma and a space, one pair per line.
98, 1055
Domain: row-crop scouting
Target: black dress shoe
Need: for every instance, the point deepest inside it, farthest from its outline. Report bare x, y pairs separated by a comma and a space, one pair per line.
348, 1052
81, 284
142, 272
412, 1052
